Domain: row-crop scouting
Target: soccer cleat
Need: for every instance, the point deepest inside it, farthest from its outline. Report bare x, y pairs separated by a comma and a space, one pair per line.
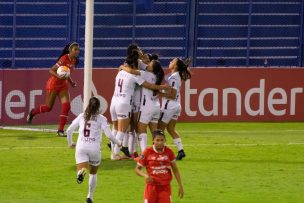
115, 157
181, 154
30, 117
125, 150
89, 200
110, 146
61, 133
80, 176
134, 155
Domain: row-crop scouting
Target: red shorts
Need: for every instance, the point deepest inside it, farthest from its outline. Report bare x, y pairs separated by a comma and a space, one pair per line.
157, 194
51, 86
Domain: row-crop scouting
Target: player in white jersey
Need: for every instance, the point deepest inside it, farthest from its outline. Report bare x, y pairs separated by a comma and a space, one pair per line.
171, 108
130, 141
150, 107
121, 104
91, 126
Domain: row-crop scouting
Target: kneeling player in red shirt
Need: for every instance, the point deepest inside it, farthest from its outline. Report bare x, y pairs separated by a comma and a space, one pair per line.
158, 161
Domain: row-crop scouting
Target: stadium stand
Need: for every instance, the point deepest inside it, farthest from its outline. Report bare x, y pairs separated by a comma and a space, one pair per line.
212, 33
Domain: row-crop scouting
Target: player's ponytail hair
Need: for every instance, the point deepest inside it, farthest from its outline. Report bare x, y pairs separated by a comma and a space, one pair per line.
158, 72
92, 109
67, 49
132, 59
183, 69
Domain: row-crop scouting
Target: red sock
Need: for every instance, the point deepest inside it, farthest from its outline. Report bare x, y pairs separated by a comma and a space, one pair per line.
63, 118
41, 109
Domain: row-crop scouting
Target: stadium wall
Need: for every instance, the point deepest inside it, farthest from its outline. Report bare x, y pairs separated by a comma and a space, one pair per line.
213, 94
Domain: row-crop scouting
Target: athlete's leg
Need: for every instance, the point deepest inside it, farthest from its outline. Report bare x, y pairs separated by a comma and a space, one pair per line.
176, 139
142, 136
81, 171
123, 125
92, 181
49, 103
64, 97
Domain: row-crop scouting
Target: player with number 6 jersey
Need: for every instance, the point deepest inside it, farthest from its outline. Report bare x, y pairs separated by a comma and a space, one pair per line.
91, 126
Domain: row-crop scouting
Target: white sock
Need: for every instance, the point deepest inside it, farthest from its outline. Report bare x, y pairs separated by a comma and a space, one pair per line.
114, 133
178, 143
135, 142
92, 185
125, 141
131, 142
120, 136
142, 141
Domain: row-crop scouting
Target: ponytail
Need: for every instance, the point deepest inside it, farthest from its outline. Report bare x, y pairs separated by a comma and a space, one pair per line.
92, 109
183, 68
158, 72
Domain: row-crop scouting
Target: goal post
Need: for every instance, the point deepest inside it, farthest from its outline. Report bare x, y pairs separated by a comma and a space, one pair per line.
88, 51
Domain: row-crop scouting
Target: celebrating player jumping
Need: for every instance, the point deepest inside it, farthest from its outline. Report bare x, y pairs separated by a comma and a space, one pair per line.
171, 106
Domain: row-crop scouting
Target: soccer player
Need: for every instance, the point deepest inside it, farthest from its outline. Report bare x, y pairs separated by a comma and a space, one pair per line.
150, 107
91, 126
58, 87
171, 107
158, 161
121, 104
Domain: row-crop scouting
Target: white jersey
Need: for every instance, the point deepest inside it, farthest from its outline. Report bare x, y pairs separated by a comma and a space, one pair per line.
174, 80
125, 86
138, 89
90, 132
142, 65
148, 97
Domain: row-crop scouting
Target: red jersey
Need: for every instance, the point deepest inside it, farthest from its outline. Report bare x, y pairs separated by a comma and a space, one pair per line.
158, 164
56, 84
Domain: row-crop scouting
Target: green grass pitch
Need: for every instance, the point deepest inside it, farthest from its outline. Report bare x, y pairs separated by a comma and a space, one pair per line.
226, 162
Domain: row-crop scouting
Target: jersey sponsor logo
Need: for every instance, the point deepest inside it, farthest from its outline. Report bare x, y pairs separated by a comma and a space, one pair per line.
159, 170
162, 158
88, 139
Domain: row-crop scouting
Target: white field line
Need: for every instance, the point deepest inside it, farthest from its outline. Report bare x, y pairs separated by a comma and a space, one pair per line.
183, 131
186, 145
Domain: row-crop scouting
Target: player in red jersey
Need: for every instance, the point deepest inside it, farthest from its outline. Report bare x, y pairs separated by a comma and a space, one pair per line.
158, 161
58, 86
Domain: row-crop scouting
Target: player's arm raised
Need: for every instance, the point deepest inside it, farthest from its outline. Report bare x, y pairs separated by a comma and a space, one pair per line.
178, 178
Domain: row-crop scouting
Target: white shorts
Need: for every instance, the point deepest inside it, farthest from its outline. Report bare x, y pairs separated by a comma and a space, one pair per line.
170, 114
120, 111
88, 155
149, 114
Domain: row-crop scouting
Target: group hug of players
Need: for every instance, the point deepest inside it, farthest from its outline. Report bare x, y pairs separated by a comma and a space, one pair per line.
135, 106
